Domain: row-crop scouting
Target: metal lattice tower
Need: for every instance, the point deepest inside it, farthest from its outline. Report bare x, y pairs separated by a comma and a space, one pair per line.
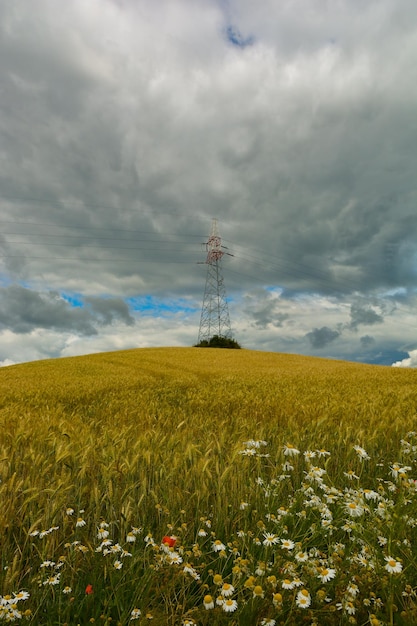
215, 318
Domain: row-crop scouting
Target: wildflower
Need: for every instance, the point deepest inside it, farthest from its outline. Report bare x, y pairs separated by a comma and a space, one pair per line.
174, 558
326, 574
102, 533
270, 539
351, 475
52, 580
352, 589
392, 566
260, 570
290, 450
322, 453
272, 580
267, 622
288, 584
229, 605
169, 541
135, 614
362, 454
117, 564
202, 533
258, 592
250, 582
301, 557
243, 505
69, 511
89, 590
188, 569
354, 509
277, 599
67, 590
188, 621
219, 600
287, 544
227, 590
21, 595
309, 454
208, 602
382, 541
218, 546
217, 579
80, 522
303, 599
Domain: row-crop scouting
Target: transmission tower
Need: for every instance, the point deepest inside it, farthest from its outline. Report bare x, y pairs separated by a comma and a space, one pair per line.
215, 318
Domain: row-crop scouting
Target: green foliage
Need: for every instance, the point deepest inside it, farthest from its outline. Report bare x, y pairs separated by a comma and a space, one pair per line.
219, 342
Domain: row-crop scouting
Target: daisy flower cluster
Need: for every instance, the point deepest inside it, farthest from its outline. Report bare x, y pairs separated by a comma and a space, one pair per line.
311, 542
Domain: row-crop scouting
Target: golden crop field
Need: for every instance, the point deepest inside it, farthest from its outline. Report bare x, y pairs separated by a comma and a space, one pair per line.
179, 485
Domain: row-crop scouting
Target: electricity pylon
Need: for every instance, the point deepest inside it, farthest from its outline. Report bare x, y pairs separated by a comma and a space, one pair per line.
215, 318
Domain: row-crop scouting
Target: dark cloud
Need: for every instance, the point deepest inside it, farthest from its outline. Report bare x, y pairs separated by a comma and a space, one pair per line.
364, 315
22, 310
321, 337
125, 128
107, 310
263, 308
367, 341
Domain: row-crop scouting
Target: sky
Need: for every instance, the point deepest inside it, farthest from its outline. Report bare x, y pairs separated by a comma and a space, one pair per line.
126, 126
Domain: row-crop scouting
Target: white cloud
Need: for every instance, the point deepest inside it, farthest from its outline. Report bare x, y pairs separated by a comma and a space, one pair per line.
411, 361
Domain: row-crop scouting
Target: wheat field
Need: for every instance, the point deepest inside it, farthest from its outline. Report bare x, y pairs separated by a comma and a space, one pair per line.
104, 456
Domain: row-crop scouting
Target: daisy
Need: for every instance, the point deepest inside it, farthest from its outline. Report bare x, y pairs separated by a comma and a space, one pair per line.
354, 509
301, 557
227, 590
117, 564
258, 592
392, 566
52, 580
69, 511
67, 589
326, 574
130, 537
135, 614
102, 533
21, 595
80, 522
277, 599
362, 454
218, 546
303, 599
208, 602
229, 605
268, 622
288, 584
290, 450
270, 539
287, 544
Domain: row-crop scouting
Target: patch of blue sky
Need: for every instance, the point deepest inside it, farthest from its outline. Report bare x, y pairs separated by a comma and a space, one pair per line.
274, 289
236, 38
163, 307
74, 299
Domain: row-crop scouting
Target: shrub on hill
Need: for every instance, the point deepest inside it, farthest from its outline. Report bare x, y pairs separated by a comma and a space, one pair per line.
218, 342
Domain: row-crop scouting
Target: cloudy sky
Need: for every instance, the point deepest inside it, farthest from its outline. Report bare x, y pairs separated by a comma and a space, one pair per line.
126, 126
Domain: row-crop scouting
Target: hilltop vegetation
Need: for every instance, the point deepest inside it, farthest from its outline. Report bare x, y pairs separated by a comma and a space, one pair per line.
202, 445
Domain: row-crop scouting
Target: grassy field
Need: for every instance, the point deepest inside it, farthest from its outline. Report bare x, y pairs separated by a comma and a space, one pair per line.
201, 486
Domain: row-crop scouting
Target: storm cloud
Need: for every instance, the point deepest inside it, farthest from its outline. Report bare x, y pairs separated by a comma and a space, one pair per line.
126, 126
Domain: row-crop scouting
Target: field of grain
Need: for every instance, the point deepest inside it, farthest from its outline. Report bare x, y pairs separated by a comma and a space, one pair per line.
178, 486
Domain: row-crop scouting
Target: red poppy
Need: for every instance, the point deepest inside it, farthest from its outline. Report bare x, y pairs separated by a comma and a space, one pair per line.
169, 541
89, 589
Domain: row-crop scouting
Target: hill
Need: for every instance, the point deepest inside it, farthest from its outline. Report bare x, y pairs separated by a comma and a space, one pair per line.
198, 444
